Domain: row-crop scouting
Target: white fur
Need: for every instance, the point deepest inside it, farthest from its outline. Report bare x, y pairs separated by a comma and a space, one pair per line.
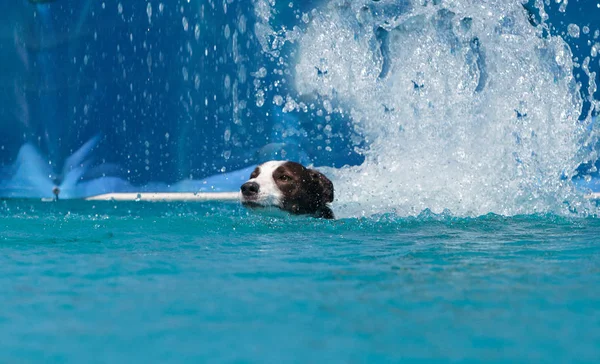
268, 193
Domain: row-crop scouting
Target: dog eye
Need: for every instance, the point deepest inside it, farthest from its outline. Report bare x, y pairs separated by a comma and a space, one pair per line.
284, 177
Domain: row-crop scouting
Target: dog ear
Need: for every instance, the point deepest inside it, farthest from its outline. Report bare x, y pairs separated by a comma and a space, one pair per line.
326, 186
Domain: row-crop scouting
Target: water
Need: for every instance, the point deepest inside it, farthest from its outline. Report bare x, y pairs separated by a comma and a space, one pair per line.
452, 131
465, 106
106, 282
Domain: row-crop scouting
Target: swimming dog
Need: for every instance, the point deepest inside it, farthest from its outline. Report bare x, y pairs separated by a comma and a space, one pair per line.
290, 187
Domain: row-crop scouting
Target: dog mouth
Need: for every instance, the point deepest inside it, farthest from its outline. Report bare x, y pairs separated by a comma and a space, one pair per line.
259, 200
257, 204
251, 204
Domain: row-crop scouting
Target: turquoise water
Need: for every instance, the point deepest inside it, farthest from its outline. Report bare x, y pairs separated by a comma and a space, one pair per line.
140, 282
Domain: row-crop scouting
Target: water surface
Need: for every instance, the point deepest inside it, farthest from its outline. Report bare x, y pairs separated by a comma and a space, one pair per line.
140, 282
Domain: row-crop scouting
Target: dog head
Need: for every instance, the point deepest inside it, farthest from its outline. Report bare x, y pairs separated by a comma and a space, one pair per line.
289, 186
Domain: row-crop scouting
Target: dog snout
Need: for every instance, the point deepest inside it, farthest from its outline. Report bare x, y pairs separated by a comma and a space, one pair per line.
250, 188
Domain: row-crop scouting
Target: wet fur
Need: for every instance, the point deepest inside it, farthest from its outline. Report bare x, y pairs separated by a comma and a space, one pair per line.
291, 187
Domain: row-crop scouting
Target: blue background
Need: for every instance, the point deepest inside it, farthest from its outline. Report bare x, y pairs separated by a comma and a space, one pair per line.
165, 98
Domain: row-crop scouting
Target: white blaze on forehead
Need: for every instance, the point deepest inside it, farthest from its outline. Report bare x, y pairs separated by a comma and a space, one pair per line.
268, 192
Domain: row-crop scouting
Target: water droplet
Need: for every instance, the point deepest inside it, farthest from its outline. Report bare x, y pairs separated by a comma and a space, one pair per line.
260, 98
563, 6
149, 61
278, 100
595, 49
573, 30
197, 81
149, 12
261, 73
227, 82
227, 31
197, 32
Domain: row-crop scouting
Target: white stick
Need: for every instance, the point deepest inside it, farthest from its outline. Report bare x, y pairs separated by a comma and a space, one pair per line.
167, 196
593, 196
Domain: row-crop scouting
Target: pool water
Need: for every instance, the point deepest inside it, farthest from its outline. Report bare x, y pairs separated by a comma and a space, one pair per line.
143, 282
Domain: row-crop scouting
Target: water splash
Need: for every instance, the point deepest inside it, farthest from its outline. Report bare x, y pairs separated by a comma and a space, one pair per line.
464, 106
32, 175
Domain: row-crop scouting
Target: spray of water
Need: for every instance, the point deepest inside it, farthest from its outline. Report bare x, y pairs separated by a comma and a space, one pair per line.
464, 106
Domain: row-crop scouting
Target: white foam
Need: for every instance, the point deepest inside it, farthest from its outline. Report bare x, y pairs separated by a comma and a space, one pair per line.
464, 107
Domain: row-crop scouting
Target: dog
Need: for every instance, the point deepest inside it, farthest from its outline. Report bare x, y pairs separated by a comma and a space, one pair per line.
290, 187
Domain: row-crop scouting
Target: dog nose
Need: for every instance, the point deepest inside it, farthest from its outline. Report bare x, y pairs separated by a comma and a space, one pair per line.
250, 188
